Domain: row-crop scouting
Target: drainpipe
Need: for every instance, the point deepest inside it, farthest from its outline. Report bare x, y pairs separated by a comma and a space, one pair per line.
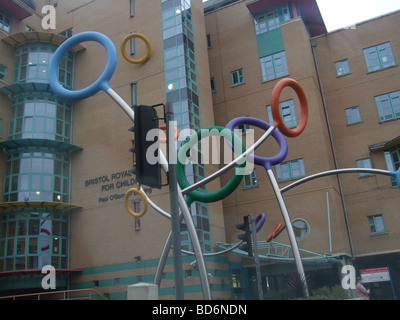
313, 46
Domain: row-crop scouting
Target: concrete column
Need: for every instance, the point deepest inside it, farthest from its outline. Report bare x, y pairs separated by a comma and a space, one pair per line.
142, 291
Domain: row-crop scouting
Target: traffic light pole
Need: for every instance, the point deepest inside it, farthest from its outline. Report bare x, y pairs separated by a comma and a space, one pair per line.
173, 196
256, 258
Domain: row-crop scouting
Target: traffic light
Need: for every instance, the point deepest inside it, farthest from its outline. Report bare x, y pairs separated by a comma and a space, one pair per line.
146, 166
246, 236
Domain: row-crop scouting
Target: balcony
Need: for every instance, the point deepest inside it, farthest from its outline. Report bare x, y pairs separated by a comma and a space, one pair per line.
19, 9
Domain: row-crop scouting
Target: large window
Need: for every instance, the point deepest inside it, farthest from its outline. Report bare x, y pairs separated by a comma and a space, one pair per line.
388, 106
40, 116
290, 170
36, 175
5, 21
287, 111
32, 60
33, 238
271, 19
392, 157
274, 66
379, 57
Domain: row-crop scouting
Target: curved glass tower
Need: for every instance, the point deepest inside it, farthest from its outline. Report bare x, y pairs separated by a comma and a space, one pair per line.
35, 207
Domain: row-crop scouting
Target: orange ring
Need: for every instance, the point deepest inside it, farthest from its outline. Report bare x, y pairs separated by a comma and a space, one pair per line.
273, 232
278, 122
164, 127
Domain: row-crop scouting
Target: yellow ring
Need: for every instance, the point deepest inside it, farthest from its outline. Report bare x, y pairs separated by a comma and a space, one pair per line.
146, 41
145, 202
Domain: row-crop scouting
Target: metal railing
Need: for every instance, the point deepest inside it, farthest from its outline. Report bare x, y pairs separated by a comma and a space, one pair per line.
79, 294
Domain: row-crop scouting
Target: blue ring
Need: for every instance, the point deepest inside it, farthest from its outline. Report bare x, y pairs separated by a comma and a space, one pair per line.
101, 83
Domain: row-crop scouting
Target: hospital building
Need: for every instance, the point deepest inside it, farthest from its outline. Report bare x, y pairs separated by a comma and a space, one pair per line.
65, 164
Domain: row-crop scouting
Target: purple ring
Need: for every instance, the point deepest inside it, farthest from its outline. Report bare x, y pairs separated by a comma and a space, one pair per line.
263, 161
261, 217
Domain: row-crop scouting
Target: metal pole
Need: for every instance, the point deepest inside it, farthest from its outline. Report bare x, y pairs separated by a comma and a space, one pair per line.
256, 258
329, 221
201, 265
289, 228
173, 196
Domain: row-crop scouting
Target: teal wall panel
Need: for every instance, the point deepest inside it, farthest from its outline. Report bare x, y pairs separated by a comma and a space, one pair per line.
270, 42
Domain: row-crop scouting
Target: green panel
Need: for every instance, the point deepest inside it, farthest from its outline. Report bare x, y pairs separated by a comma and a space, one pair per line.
29, 282
270, 42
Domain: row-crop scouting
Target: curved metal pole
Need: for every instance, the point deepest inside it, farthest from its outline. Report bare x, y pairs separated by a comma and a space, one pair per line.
213, 254
289, 227
337, 171
196, 245
231, 164
185, 213
167, 247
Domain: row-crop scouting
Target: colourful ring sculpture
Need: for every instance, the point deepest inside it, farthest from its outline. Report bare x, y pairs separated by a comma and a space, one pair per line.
144, 198
278, 121
164, 127
101, 83
231, 185
260, 220
263, 161
274, 232
148, 48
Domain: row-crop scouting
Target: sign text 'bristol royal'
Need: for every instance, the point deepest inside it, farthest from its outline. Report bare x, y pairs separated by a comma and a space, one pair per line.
111, 184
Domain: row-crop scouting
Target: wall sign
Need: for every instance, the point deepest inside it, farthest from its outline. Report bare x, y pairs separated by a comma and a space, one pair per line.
112, 186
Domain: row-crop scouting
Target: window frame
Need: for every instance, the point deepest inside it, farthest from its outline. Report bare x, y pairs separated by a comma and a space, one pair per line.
250, 180
364, 163
32, 238
4, 15
375, 55
208, 38
3, 73
353, 115
271, 19
239, 75
387, 109
287, 104
392, 164
212, 84
287, 167
306, 232
372, 223
270, 62
342, 64
40, 116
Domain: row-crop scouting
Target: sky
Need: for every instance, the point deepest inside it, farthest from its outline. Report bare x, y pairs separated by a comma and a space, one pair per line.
344, 13
339, 14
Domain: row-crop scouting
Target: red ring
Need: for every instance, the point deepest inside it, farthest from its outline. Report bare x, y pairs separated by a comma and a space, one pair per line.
274, 232
164, 127
278, 122
48, 233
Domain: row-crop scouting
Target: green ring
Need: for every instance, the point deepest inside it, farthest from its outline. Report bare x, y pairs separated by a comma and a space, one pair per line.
226, 190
